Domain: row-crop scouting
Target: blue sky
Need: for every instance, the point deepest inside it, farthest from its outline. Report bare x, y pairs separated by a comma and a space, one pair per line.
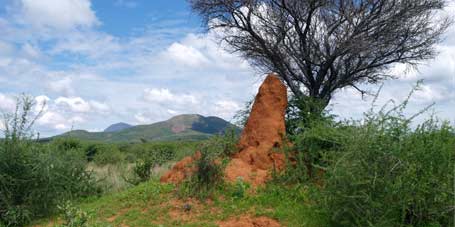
98, 62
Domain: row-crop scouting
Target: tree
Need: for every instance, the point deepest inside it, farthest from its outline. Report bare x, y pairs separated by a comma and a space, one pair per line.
320, 46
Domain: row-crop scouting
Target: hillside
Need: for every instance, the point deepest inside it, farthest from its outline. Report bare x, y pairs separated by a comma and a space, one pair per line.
118, 127
181, 127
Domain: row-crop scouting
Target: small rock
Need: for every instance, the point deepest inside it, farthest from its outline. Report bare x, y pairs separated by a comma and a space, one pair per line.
187, 207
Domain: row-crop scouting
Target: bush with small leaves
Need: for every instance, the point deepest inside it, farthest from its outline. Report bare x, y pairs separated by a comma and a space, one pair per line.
390, 173
34, 177
73, 216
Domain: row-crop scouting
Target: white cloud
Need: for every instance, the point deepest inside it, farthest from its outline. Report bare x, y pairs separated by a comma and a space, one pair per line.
31, 51
88, 43
186, 55
226, 108
76, 104
100, 107
141, 118
41, 103
60, 85
7, 103
6, 49
164, 95
51, 118
58, 14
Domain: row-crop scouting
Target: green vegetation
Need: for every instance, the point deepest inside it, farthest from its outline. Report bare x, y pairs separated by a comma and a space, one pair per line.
35, 177
213, 156
190, 127
379, 171
155, 204
387, 173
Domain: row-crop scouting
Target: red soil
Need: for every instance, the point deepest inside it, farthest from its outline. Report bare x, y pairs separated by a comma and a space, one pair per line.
181, 170
247, 221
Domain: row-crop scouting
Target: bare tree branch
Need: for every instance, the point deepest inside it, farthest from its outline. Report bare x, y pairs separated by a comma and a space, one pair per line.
320, 46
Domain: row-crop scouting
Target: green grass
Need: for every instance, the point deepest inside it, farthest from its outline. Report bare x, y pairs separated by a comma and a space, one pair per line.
154, 204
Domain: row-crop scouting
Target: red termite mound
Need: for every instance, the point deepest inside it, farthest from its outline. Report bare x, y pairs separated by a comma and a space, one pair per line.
263, 132
181, 170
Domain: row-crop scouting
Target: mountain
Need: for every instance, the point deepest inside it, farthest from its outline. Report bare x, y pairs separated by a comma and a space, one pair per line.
181, 127
117, 127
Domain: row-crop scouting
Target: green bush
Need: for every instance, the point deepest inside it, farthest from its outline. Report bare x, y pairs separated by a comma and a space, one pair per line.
35, 177
306, 156
142, 172
104, 154
388, 173
240, 189
67, 143
73, 216
209, 167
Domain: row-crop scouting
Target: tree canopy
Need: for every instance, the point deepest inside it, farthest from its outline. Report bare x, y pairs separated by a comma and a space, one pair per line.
320, 46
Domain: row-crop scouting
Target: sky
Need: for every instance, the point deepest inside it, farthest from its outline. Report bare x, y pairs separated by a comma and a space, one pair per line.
99, 62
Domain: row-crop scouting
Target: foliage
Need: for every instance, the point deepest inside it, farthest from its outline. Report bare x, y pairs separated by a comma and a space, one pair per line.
388, 173
142, 172
209, 166
105, 154
73, 216
159, 152
34, 177
240, 188
67, 143
313, 133
305, 112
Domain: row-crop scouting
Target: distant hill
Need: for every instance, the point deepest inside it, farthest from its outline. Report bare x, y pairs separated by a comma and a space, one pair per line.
181, 127
117, 127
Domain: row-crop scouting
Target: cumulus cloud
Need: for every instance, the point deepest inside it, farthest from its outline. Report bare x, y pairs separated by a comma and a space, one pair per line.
186, 55
79, 105
76, 104
60, 85
164, 95
41, 103
226, 108
63, 113
58, 14
7, 103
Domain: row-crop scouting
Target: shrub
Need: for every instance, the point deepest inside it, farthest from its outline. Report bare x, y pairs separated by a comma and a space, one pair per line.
313, 133
391, 174
67, 143
142, 172
240, 188
73, 216
34, 177
105, 154
305, 158
209, 167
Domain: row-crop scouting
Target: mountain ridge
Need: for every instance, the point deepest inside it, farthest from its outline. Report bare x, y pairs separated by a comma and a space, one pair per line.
181, 127
117, 127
